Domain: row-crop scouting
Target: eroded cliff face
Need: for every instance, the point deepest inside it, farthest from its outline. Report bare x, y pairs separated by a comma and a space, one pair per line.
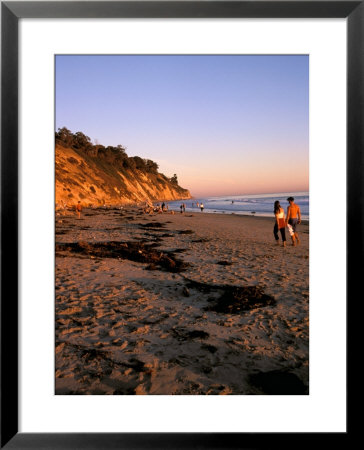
80, 177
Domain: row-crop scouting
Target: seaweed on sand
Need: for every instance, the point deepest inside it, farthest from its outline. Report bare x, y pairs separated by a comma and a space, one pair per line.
233, 299
181, 334
236, 299
201, 240
133, 251
278, 382
152, 225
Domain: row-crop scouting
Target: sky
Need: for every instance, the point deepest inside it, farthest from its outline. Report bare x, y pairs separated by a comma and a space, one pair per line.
225, 124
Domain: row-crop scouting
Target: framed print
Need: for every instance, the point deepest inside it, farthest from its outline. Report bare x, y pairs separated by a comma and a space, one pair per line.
182, 178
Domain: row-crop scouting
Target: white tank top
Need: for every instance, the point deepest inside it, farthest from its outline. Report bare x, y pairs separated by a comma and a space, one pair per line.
280, 215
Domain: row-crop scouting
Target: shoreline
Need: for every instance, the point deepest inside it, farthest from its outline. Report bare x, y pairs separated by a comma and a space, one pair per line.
176, 211
250, 216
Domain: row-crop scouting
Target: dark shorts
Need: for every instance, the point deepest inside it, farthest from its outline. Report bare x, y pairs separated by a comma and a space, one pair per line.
293, 223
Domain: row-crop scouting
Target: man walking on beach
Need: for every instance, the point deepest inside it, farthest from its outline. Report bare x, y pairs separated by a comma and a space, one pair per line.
293, 218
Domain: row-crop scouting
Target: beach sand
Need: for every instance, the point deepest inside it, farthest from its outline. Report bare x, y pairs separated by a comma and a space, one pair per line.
189, 303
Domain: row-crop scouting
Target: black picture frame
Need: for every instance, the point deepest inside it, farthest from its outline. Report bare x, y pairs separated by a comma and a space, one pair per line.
11, 12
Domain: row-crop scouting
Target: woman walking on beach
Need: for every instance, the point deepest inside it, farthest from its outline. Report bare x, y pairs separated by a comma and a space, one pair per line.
280, 223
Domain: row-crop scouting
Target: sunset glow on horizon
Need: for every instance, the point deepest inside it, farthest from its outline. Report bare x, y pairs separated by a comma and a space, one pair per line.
225, 124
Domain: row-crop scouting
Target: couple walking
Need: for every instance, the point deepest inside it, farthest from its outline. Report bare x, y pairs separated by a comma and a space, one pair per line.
293, 218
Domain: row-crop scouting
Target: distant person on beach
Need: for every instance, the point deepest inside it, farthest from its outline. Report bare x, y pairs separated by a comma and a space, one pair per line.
202, 207
293, 219
280, 223
184, 207
163, 206
79, 209
198, 204
181, 207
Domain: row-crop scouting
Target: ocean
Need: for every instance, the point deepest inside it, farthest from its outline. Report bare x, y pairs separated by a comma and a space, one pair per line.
258, 205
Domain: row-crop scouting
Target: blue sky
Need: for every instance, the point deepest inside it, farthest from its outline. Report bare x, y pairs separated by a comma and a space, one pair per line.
229, 124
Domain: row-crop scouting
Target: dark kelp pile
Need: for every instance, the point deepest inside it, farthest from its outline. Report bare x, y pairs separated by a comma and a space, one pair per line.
233, 299
133, 251
278, 382
181, 334
236, 299
152, 225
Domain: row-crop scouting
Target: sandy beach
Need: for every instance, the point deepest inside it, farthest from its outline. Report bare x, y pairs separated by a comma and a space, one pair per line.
189, 303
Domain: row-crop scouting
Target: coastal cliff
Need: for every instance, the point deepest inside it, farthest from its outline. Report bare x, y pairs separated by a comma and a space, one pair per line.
98, 176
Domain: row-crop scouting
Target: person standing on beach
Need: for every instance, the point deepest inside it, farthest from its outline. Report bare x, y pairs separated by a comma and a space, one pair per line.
79, 209
181, 208
293, 218
280, 223
202, 207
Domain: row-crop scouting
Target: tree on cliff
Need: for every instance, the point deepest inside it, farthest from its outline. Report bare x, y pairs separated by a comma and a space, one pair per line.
64, 136
174, 179
81, 141
151, 166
